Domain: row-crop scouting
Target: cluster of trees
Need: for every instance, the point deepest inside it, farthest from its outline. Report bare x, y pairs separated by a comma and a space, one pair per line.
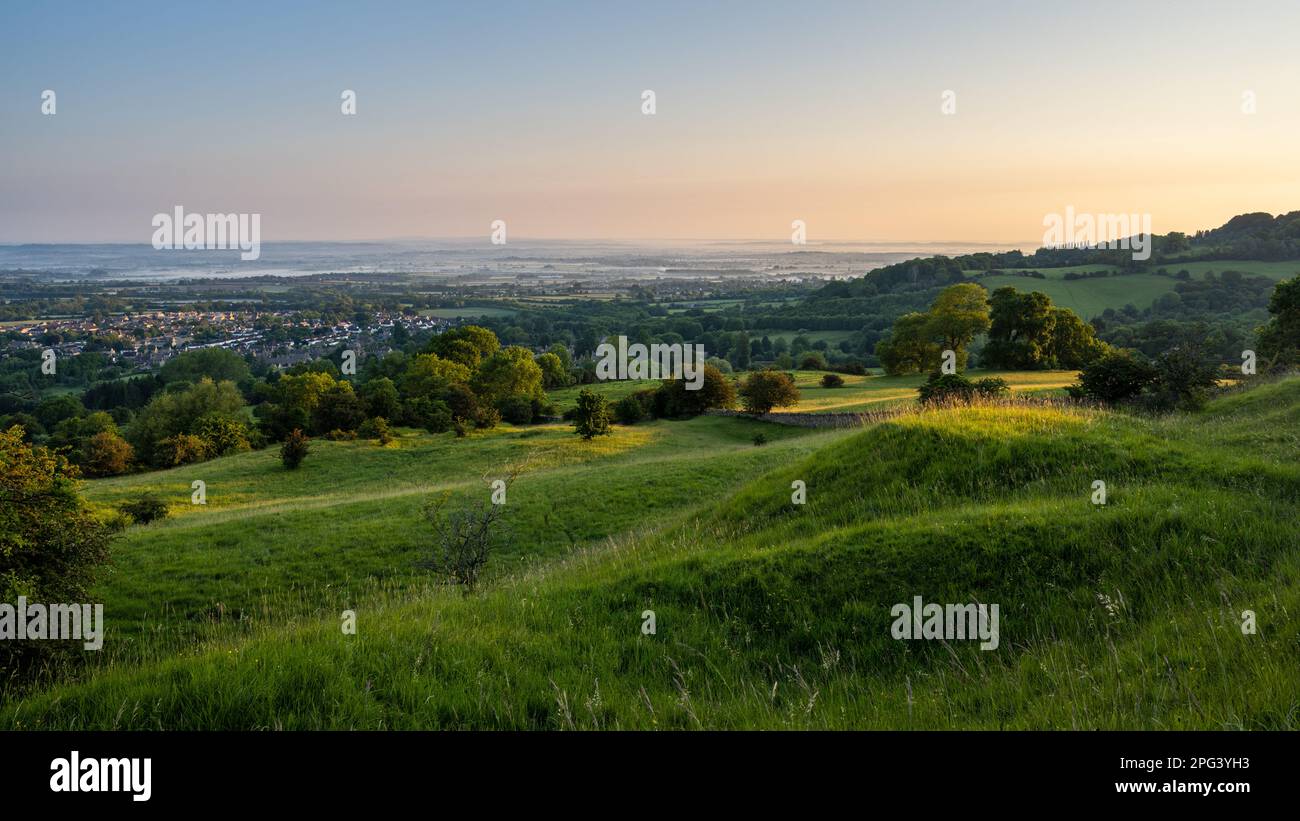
1183, 374
1025, 331
210, 402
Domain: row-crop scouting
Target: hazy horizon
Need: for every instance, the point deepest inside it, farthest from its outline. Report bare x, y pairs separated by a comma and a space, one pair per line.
832, 114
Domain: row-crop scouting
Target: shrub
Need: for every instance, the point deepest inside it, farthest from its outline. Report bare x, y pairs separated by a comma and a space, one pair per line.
630, 410
832, 380
949, 387
673, 398
593, 415
1114, 377
376, 428
760, 439
812, 362
459, 426
50, 544
337, 435
294, 449
183, 449
145, 509
518, 410
462, 539
1184, 379
991, 386
488, 418
764, 390
106, 454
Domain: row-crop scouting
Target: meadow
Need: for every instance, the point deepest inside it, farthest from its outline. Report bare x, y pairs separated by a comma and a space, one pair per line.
767, 613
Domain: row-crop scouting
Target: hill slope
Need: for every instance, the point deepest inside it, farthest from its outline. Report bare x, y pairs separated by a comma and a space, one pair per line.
770, 614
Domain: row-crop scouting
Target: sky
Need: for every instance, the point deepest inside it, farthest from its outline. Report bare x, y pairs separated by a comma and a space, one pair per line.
531, 113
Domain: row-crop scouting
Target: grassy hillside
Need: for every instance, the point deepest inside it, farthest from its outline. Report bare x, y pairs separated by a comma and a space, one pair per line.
1089, 297
768, 614
859, 393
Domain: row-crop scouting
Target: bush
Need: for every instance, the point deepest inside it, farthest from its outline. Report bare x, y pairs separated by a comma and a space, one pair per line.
462, 539
518, 410
991, 386
812, 362
376, 428
764, 390
294, 449
949, 387
488, 418
629, 410
50, 544
593, 415
832, 380
673, 398
1184, 379
145, 509
182, 449
1114, 377
106, 454
760, 439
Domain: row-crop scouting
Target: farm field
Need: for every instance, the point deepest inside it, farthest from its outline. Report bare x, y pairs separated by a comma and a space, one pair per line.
1090, 297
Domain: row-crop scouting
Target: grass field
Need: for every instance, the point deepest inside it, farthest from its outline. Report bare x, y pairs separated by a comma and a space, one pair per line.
768, 614
859, 393
1089, 297
1272, 270
467, 312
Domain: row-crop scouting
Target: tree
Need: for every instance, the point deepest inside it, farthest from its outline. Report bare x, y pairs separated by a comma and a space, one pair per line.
674, 399
566, 359
908, 349
1020, 332
812, 361
51, 546
1073, 342
1279, 338
832, 380
764, 390
508, 372
740, 351
468, 345
217, 364
554, 374
339, 408
177, 413
295, 449
593, 414
429, 375
106, 454
381, 398
957, 316
1115, 376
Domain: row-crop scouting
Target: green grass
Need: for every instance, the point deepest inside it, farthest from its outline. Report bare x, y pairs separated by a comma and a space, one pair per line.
768, 614
1272, 270
468, 312
865, 393
1059, 273
1090, 297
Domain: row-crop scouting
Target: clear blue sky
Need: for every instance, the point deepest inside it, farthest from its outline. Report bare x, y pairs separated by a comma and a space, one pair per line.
530, 112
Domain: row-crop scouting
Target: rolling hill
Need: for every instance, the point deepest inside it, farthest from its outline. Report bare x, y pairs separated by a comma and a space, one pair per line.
768, 614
